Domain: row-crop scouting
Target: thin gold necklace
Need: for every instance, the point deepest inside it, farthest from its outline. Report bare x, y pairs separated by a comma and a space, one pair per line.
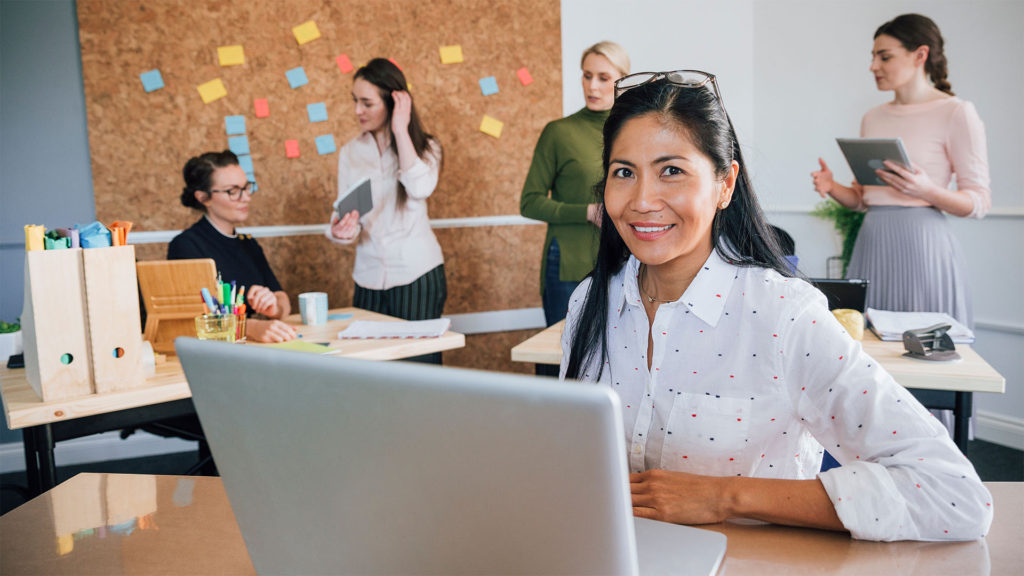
640, 284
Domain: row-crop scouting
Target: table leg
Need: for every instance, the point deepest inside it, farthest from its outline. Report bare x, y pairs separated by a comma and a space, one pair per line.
962, 419
28, 440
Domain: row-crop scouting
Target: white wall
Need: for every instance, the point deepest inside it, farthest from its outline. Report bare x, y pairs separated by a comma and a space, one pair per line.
794, 76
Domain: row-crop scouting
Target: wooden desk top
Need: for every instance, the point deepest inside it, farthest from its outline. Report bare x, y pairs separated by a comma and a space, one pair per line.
23, 408
972, 374
143, 524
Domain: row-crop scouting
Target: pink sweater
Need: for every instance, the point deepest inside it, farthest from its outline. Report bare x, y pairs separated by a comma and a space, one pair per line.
942, 137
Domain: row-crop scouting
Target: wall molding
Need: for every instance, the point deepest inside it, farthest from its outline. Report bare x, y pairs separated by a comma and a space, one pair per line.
498, 321
999, 429
999, 212
97, 448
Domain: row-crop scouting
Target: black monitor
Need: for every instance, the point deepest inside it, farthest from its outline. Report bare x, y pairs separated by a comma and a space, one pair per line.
843, 293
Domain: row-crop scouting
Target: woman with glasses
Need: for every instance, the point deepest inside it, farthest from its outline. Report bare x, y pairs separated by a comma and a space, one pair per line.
218, 187
905, 245
399, 267
732, 374
559, 187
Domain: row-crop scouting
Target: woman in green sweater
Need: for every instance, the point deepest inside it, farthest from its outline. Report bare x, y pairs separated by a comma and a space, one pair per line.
559, 187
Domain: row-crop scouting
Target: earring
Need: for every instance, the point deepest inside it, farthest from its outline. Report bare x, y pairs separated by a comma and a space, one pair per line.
723, 205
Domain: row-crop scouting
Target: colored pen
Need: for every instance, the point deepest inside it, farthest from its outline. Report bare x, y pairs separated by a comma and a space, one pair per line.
211, 303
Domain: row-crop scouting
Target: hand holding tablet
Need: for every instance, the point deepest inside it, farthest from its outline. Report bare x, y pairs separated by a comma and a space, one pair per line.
867, 155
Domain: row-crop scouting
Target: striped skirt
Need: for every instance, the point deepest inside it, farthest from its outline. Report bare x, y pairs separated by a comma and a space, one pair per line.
913, 261
423, 299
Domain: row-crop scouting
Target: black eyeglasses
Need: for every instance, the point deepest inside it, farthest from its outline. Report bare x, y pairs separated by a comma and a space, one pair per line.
235, 192
681, 78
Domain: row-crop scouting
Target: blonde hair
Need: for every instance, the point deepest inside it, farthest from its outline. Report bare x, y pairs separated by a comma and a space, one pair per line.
615, 54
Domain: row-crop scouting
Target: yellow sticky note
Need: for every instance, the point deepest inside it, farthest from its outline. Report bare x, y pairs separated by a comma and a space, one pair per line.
491, 126
451, 54
231, 55
34, 237
306, 32
212, 90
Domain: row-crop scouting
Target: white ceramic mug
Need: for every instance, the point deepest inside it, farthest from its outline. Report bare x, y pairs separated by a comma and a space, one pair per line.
313, 308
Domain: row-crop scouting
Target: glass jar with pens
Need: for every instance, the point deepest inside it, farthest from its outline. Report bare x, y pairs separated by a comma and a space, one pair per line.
226, 319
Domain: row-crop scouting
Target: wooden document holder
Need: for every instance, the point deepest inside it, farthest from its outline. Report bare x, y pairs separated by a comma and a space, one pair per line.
54, 321
115, 327
170, 290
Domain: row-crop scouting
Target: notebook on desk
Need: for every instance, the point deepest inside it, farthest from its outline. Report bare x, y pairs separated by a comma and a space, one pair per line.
343, 466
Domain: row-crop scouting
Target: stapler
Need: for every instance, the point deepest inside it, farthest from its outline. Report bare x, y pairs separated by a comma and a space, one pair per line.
931, 343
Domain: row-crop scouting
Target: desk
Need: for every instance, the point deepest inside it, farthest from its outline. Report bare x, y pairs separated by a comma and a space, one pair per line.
143, 524
166, 395
935, 384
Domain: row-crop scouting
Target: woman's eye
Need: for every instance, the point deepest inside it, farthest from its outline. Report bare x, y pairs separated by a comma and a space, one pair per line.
672, 171
622, 173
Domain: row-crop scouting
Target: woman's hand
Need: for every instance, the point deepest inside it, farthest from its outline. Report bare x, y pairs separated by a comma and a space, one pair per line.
268, 331
347, 228
402, 112
594, 214
823, 180
678, 497
911, 181
262, 301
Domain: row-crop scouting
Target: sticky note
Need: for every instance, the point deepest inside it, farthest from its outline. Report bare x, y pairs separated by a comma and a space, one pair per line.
245, 163
317, 112
306, 32
239, 144
451, 54
262, 107
212, 90
151, 80
291, 148
231, 55
297, 77
344, 64
255, 186
489, 85
325, 144
234, 125
491, 126
392, 60
524, 76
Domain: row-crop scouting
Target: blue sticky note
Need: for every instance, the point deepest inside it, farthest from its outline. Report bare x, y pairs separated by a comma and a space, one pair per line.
338, 316
489, 85
234, 125
317, 112
325, 144
297, 77
245, 163
151, 80
239, 144
255, 187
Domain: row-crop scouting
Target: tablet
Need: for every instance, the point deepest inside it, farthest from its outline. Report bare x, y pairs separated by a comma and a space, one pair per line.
358, 197
865, 155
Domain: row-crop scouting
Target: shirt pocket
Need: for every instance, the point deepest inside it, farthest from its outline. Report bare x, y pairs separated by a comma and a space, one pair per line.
707, 434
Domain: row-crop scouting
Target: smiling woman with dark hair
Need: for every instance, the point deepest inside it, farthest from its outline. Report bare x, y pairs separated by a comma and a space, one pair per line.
732, 374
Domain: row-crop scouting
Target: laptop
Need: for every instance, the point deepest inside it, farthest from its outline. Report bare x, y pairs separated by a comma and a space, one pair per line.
842, 293
343, 466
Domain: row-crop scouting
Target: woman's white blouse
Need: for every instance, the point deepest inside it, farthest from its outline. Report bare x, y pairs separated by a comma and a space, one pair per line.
752, 375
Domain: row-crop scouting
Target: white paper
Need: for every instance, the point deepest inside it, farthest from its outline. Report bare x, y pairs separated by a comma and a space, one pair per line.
411, 329
890, 326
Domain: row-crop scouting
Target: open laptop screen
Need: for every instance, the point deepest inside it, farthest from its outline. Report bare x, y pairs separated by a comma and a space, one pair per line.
843, 293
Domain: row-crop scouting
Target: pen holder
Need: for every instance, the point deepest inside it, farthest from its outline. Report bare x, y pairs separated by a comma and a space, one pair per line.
240, 327
216, 327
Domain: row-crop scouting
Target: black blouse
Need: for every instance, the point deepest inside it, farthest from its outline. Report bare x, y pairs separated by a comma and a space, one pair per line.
240, 258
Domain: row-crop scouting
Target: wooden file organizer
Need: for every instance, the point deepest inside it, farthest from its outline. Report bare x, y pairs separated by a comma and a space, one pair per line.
171, 293
112, 301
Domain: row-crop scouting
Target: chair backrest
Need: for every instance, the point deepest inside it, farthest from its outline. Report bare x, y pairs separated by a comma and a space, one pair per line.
171, 294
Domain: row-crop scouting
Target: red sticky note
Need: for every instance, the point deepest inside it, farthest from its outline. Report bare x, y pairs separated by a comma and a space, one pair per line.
262, 108
291, 148
392, 60
524, 76
344, 64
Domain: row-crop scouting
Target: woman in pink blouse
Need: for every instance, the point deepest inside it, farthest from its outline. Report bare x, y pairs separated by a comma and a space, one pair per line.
732, 375
905, 246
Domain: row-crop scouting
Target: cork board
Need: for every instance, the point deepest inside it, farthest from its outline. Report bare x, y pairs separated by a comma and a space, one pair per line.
140, 140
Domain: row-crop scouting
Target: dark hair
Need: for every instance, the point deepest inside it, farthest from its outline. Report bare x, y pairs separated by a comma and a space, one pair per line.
739, 232
388, 78
914, 31
198, 174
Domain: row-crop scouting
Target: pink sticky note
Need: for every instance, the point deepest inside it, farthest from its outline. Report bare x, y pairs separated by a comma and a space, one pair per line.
262, 108
344, 64
524, 76
291, 148
392, 60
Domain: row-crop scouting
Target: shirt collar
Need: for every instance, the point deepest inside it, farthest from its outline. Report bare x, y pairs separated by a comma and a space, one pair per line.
705, 296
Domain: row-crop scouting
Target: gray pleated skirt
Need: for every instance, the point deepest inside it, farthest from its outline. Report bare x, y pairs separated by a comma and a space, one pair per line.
913, 261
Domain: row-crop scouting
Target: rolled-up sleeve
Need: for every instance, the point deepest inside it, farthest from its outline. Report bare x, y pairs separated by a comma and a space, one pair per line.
420, 179
968, 151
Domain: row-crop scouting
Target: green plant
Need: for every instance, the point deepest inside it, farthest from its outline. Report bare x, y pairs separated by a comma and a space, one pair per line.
847, 223
8, 327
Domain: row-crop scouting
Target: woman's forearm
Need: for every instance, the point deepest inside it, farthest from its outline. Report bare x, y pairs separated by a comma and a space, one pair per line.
845, 195
802, 503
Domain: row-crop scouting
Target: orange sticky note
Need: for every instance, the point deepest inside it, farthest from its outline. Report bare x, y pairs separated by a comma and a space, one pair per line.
491, 126
231, 55
344, 64
306, 32
392, 60
524, 76
262, 107
451, 54
291, 148
212, 90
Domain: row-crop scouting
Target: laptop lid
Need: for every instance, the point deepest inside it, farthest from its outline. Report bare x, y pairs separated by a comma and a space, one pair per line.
336, 465
843, 293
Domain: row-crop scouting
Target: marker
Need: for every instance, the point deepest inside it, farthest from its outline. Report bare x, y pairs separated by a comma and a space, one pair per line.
209, 300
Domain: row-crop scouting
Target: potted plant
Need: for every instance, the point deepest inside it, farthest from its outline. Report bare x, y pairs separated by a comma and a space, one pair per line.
847, 223
10, 340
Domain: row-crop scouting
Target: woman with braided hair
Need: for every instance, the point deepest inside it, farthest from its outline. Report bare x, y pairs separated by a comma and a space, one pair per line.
905, 246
